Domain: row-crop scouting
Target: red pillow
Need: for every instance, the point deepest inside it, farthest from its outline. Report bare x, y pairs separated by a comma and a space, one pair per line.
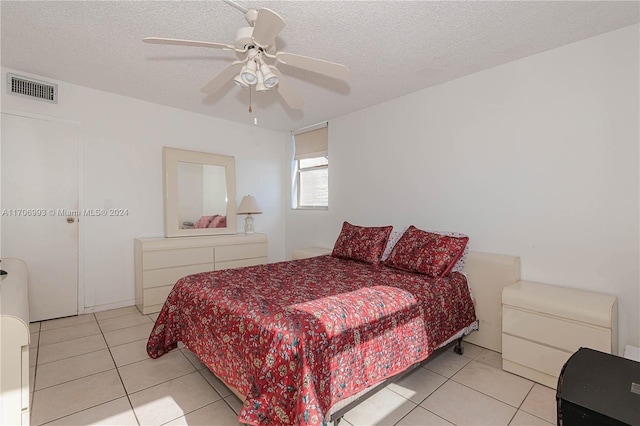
218, 221
365, 244
203, 222
426, 253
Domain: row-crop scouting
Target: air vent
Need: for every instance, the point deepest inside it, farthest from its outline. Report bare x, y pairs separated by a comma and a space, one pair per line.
25, 86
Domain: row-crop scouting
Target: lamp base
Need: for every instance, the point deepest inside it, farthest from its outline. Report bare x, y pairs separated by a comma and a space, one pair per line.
248, 225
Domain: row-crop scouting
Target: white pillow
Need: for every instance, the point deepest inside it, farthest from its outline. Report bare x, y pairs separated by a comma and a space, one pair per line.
391, 242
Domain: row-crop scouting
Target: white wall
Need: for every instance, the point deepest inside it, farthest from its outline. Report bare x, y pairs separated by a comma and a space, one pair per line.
537, 158
122, 142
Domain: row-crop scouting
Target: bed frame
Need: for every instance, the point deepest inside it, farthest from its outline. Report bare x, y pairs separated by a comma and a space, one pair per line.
487, 275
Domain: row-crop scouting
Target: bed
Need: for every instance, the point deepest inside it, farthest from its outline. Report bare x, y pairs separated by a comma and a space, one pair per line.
298, 340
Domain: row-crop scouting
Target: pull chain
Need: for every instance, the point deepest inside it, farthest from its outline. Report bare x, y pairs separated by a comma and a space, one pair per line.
255, 119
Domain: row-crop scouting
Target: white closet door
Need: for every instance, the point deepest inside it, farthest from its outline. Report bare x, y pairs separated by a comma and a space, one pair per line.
39, 172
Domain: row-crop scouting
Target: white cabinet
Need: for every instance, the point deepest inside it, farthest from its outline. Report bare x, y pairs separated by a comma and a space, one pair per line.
160, 262
14, 346
543, 325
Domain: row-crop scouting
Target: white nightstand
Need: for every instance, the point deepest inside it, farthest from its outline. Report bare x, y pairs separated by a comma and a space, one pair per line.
543, 325
303, 253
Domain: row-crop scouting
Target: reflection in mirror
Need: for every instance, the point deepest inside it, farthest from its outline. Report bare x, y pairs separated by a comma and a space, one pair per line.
202, 196
200, 193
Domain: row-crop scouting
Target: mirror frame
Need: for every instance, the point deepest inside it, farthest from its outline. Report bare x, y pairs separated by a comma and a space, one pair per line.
171, 157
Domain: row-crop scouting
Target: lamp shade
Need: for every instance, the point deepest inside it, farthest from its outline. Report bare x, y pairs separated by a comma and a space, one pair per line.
248, 205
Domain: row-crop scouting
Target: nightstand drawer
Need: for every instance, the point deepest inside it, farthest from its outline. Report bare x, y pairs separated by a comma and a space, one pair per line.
542, 325
560, 333
537, 357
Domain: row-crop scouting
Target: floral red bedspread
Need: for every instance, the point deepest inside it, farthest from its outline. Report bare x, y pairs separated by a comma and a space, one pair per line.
296, 337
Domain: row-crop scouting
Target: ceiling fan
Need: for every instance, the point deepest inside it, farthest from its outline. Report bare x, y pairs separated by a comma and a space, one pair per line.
256, 49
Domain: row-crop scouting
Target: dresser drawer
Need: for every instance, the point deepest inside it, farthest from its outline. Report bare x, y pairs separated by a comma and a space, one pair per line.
169, 276
240, 251
240, 263
161, 262
157, 296
533, 355
177, 257
557, 332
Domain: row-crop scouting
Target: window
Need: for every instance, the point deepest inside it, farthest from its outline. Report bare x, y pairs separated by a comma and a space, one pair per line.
313, 182
311, 170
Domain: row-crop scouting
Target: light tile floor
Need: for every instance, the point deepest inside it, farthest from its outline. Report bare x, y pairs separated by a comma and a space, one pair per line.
93, 369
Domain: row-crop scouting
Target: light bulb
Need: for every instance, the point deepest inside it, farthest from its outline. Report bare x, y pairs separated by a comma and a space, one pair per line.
248, 73
238, 80
270, 79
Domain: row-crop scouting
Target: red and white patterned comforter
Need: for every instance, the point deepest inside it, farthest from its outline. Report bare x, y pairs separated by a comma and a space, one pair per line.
296, 337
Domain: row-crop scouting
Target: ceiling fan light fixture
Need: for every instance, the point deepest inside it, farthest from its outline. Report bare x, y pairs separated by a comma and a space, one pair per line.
238, 80
248, 73
253, 44
269, 78
260, 86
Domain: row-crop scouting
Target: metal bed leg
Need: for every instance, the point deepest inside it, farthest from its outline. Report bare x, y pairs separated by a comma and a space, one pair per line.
336, 422
458, 348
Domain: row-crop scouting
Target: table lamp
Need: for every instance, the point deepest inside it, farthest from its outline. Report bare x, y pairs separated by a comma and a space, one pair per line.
249, 206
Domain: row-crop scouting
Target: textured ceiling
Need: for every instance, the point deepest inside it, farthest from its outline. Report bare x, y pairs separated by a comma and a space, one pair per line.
392, 47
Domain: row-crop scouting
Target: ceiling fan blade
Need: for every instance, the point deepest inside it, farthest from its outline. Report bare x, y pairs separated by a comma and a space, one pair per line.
287, 92
268, 25
223, 78
327, 68
178, 42
236, 5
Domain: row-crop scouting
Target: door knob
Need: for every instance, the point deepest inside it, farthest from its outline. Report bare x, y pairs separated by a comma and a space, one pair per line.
70, 220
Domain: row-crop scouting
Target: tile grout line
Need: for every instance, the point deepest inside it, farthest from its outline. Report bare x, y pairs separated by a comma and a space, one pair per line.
525, 398
178, 377
469, 387
117, 368
199, 371
89, 375
77, 378
184, 414
486, 394
425, 398
517, 408
126, 393
85, 409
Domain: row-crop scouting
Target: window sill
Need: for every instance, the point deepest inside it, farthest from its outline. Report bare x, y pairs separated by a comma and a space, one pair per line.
318, 208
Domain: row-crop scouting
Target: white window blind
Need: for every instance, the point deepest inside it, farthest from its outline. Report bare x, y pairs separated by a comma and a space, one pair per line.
312, 169
314, 143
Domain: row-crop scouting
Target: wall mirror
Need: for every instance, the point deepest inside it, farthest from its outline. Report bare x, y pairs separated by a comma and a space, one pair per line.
199, 193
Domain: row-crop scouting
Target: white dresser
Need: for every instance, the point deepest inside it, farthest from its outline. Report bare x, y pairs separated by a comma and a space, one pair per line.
160, 262
543, 325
